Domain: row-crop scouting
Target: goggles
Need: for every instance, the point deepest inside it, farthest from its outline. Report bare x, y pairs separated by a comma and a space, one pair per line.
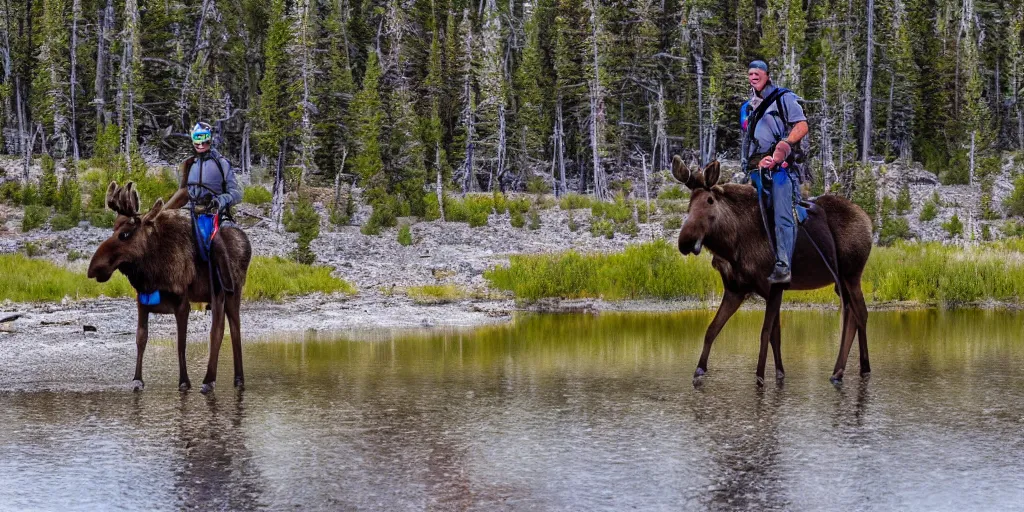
201, 135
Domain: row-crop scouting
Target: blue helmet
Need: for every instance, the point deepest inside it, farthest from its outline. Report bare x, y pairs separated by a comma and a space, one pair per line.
201, 133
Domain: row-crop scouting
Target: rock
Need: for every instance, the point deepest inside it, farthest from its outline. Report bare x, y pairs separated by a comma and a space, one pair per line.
88, 328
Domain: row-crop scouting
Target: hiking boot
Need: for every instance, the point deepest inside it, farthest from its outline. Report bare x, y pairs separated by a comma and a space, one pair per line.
781, 275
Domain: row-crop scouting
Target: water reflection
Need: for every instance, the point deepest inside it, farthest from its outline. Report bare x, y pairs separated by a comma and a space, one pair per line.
553, 412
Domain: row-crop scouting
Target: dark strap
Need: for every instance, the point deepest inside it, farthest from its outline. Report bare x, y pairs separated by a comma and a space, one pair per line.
775, 96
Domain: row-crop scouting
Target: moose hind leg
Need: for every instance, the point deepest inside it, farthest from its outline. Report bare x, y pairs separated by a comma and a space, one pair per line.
216, 337
771, 317
232, 306
181, 319
780, 373
141, 337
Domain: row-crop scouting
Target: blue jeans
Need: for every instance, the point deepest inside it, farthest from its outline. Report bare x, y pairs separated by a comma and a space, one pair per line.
785, 190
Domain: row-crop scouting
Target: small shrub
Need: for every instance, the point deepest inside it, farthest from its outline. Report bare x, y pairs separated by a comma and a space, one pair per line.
518, 220
572, 223
534, 220
102, 218
986, 232
35, 217
865, 193
75, 255
903, 200
537, 185
1014, 203
62, 222
672, 223
574, 202
954, 227
630, 228
602, 227
10, 192
405, 235
303, 219
893, 229
33, 249
673, 192
257, 195
673, 206
383, 216
928, 211
29, 195
69, 198
48, 181
1013, 229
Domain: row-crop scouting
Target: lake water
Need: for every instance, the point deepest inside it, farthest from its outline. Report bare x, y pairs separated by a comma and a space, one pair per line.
552, 412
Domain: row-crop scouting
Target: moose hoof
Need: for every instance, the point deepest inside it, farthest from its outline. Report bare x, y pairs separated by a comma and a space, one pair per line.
780, 375
207, 387
185, 386
760, 381
240, 383
698, 377
138, 385
837, 379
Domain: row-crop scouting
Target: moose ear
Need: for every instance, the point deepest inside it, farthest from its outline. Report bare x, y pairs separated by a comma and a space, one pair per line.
679, 170
111, 197
151, 215
711, 174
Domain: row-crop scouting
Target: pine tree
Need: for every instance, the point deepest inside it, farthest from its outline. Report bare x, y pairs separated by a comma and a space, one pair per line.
367, 120
277, 102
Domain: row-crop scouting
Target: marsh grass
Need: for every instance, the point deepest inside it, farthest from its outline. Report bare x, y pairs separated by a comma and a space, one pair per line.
929, 274
29, 280
436, 293
277, 278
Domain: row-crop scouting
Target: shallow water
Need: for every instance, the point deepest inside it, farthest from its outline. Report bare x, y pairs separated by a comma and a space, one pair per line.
550, 413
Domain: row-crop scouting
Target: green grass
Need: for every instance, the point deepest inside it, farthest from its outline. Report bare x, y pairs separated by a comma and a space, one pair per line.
28, 280
277, 278
927, 274
574, 202
653, 270
436, 294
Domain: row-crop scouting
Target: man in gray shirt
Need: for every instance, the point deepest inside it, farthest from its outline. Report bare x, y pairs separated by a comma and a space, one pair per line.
768, 141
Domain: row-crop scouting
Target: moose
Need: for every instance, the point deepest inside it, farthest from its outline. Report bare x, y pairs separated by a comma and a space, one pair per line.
832, 248
156, 251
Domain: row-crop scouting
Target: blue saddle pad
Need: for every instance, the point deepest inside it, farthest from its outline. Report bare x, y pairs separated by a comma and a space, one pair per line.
204, 234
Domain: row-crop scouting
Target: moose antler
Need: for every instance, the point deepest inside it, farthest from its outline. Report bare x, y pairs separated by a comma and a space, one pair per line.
123, 200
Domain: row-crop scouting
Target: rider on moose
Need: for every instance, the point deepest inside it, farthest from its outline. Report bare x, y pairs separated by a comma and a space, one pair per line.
773, 123
208, 183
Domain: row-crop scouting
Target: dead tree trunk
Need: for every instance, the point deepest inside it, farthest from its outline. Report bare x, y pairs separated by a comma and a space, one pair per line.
866, 135
103, 29
277, 201
596, 111
76, 13
559, 147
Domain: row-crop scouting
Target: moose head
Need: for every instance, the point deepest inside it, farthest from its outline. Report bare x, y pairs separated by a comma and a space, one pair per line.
708, 211
132, 232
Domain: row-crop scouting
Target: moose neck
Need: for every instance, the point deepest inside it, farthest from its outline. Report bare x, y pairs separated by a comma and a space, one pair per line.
740, 236
168, 262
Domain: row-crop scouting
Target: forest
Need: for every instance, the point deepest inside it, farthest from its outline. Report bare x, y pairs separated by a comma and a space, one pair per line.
410, 98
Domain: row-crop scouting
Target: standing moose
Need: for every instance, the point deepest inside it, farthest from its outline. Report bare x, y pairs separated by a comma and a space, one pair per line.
726, 219
157, 253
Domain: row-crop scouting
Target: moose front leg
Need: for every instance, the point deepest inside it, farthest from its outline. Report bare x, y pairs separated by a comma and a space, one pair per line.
181, 319
731, 301
141, 337
216, 337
